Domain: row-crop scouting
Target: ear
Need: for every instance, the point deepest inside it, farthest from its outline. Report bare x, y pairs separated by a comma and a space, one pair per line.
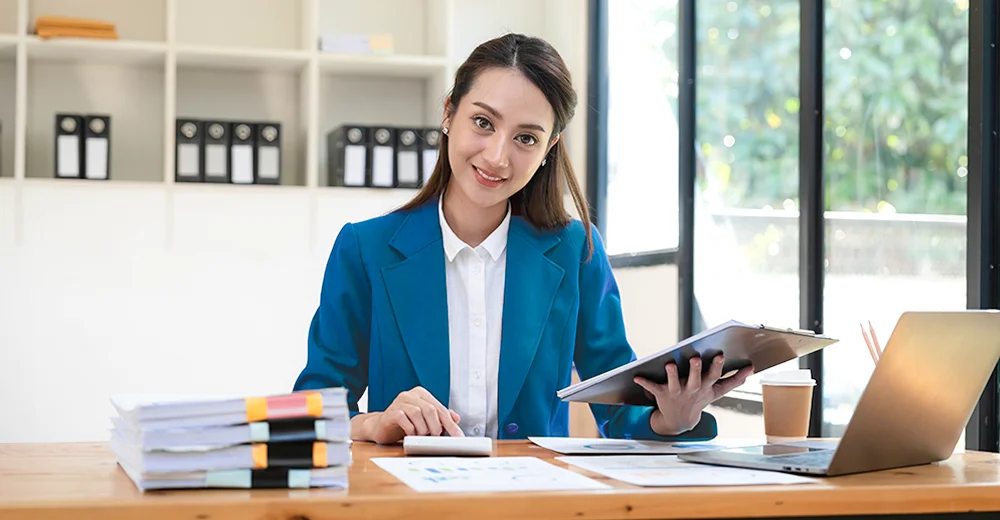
553, 143
446, 113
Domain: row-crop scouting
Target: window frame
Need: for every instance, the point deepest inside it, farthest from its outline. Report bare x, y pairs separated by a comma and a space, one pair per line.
983, 232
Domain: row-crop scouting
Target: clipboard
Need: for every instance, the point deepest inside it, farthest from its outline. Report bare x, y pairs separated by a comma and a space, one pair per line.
741, 344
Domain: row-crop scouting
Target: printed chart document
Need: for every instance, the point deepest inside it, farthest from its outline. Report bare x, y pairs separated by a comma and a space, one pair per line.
601, 446
667, 470
457, 474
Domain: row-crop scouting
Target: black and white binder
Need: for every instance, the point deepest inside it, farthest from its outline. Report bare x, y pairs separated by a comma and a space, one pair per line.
69, 146
241, 153
429, 143
382, 157
347, 156
189, 162
407, 158
267, 153
97, 147
216, 151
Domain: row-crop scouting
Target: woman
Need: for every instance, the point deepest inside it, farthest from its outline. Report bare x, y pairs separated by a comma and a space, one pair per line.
463, 312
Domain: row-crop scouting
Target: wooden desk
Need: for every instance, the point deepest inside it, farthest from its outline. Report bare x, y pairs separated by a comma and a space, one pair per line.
82, 482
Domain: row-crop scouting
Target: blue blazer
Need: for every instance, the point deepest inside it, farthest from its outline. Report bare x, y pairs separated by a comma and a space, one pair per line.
382, 324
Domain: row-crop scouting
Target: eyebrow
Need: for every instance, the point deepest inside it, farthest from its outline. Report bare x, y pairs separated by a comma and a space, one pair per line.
497, 115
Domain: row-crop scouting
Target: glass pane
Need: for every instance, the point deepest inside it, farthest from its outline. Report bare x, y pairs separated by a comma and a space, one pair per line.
895, 164
642, 126
746, 210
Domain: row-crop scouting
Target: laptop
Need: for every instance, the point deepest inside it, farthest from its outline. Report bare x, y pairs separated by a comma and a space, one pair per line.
913, 411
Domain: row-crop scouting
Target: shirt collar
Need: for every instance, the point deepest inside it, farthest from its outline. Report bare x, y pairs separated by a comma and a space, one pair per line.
494, 244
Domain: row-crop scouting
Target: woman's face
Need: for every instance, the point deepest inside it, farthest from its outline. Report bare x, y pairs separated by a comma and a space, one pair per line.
498, 136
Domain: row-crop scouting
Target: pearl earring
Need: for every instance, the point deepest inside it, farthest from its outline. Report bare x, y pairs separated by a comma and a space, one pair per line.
543, 161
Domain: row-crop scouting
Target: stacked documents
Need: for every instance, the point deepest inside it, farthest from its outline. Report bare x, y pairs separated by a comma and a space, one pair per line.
296, 440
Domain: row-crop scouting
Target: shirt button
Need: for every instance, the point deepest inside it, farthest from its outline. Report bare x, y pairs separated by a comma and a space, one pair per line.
477, 374
476, 269
477, 322
476, 430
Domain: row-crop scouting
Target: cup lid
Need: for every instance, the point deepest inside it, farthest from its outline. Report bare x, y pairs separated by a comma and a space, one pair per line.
802, 377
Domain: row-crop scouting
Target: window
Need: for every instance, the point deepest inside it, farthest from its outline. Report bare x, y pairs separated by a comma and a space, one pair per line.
896, 107
642, 135
746, 216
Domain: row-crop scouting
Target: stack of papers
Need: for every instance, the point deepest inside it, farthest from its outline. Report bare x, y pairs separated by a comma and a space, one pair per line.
296, 440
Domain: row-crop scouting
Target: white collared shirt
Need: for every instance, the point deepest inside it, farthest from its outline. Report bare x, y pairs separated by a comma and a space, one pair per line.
475, 279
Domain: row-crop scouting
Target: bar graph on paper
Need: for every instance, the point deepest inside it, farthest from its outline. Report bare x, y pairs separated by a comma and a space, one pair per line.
488, 474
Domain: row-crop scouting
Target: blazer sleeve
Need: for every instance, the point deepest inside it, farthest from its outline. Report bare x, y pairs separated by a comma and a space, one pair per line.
337, 354
602, 346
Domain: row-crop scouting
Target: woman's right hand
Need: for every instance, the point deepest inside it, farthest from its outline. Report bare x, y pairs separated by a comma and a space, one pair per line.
414, 412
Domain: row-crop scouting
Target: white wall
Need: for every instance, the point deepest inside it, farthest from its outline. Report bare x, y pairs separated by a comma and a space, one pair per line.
120, 287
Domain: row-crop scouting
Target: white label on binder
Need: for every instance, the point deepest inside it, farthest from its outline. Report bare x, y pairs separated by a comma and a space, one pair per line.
430, 160
382, 166
267, 162
187, 159
97, 158
215, 160
69, 155
242, 164
408, 172
354, 165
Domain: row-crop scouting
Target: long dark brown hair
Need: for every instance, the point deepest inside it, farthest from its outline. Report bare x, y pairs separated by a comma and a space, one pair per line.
540, 202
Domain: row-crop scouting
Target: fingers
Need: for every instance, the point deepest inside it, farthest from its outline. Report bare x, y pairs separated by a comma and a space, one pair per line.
673, 380
426, 414
694, 375
416, 416
723, 387
714, 373
400, 419
450, 424
444, 420
432, 417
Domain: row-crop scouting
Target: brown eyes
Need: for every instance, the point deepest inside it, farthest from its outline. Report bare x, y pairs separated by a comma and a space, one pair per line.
484, 124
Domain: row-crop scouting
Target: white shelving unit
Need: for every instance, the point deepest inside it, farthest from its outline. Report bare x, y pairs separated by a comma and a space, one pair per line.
132, 283
235, 59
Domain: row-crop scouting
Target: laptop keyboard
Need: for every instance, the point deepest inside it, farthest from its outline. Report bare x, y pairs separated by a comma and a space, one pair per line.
811, 459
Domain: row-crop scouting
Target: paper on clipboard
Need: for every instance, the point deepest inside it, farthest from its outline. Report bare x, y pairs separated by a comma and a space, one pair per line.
741, 344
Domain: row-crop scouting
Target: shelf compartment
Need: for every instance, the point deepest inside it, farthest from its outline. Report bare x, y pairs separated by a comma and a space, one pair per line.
8, 17
263, 24
133, 97
8, 47
232, 95
367, 101
8, 109
495, 19
143, 20
81, 50
405, 20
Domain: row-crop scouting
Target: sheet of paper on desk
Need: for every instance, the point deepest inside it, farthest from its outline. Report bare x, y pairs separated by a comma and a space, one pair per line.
456, 474
583, 446
667, 470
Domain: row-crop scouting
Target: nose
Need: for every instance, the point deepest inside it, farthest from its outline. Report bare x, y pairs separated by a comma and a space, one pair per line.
496, 152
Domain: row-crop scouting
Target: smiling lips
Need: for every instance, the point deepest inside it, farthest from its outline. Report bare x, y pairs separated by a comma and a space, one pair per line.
488, 180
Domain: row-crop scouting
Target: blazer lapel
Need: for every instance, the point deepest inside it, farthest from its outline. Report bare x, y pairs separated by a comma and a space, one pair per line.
531, 284
419, 298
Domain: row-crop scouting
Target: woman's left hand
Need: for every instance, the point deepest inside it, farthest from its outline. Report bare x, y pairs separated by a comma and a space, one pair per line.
679, 403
